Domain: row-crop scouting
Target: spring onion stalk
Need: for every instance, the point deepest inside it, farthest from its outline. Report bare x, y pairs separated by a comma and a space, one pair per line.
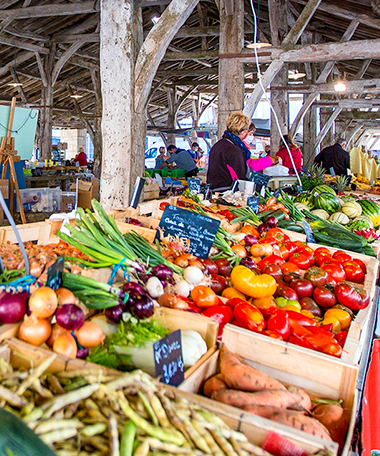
222, 244
294, 213
244, 214
147, 253
94, 294
98, 236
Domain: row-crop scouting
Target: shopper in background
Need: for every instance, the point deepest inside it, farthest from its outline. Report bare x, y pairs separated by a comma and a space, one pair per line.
295, 152
182, 159
335, 157
194, 152
267, 149
258, 164
81, 157
160, 158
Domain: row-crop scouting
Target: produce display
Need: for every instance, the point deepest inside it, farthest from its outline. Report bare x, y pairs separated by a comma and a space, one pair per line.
240, 385
85, 412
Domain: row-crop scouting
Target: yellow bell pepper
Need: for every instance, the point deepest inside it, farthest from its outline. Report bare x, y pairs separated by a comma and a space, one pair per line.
256, 286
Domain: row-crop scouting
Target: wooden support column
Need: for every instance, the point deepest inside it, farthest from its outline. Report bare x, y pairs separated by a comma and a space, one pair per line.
309, 136
231, 71
97, 140
128, 65
46, 113
171, 94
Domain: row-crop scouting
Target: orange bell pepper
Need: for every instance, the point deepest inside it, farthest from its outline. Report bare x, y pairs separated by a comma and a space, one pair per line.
204, 296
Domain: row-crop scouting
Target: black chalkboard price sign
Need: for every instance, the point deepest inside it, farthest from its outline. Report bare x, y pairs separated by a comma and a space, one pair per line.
168, 359
194, 184
54, 278
199, 229
308, 231
253, 202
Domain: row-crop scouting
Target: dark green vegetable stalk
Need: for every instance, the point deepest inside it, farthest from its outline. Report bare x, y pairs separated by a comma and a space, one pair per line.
294, 213
244, 214
98, 236
147, 253
223, 245
94, 294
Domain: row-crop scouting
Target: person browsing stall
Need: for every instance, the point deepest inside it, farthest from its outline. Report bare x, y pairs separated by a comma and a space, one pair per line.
182, 159
258, 164
81, 157
335, 157
160, 158
295, 152
194, 152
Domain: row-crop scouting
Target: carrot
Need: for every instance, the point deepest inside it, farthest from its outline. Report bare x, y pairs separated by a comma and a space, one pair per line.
305, 404
276, 398
304, 423
239, 375
336, 419
214, 383
265, 411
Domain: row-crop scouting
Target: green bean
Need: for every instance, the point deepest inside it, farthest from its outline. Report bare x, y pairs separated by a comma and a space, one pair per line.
57, 436
148, 407
38, 371
12, 398
142, 450
113, 435
94, 429
54, 425
127, 439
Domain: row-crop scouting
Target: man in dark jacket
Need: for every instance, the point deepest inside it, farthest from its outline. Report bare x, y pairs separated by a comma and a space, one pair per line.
334, 157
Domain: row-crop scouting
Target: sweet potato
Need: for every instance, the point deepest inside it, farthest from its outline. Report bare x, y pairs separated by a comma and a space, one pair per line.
304, 423
266, 411
305, 404
336, 420
239, 375
275, 398
214, 383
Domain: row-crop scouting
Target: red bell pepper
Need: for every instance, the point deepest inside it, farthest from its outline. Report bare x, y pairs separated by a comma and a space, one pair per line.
302, 319
249, 317
221, 314
341, 337
328, 327
298, 330
355, 298
333, 349
318, 331
300, 341
279, 322
318, 341
272, 334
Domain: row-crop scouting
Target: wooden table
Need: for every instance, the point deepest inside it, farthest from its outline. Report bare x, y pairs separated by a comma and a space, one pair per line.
46, 181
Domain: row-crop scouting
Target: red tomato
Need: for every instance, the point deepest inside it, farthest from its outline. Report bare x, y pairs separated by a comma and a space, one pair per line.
163, 205
354, 272
334, 270
305, 248
300, 260
283, 251
235, 301
279, 322
308, 254
320, 250
333, 349
304, 288
218, 283
291, 246
317, 276
361, 264
338, 252
266, 240
221, 314
342, 257
271, 259
286, 292
321, 258
273, 270
224, 266
324, 297
289, 277
289, 267
300, 244
277, 234
355, 298
204, 296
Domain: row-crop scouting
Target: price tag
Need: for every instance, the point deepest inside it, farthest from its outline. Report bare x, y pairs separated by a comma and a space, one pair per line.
194, 184
309, 232
332, 172
54, 277
253, 202
199, 229
168, 359
260, 179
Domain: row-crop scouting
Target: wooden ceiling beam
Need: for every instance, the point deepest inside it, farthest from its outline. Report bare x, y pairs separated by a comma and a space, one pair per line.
15, 31
191, 55
19, 59
345, 13
360, 115
350, 103
354, 86
66, 9
190, 72
23, 45
68, 38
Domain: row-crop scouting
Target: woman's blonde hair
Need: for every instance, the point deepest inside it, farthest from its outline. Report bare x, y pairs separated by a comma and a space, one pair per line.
237, 123
161, 149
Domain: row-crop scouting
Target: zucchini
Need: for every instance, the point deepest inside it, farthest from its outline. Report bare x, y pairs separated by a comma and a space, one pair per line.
284, 223
17, 439
265, 214
293, 227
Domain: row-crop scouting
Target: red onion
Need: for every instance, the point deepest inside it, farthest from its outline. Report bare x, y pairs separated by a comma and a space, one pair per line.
162, 272
12, 306
140, 305
263, 228
133, 221
272, 221
70, 316
83, 352
132, 287
250, 240
114, 314
248, 262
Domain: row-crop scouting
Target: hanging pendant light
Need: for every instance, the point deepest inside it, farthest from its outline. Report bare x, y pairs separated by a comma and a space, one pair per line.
295, 74
340, 86
76, 95
257, 44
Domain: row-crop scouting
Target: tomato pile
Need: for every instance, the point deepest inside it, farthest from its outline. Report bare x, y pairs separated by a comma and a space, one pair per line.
285, 290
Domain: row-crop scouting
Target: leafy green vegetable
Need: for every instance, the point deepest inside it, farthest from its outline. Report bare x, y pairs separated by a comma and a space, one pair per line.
131, 333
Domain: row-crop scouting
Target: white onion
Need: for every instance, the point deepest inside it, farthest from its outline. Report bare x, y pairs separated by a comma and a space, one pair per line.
154, 287
193, 275
182, 288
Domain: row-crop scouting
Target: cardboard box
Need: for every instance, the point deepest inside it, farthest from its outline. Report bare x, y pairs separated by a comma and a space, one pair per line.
68, 201
86, 192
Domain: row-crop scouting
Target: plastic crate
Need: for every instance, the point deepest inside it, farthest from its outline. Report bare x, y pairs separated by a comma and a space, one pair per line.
41, 199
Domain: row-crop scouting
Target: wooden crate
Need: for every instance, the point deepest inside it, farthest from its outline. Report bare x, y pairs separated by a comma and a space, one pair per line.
22, 356
150, 206
146, 233
39, 231
171, 319
319, 377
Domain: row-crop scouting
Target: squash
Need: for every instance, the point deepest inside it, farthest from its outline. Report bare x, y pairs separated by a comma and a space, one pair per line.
352, 209
339, 217
320, 213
